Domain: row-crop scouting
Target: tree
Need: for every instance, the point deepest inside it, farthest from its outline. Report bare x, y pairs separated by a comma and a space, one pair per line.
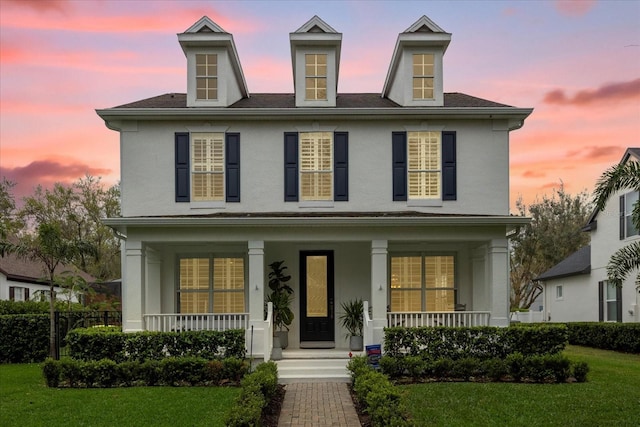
10, 224
619, 177
555, 231
52, 248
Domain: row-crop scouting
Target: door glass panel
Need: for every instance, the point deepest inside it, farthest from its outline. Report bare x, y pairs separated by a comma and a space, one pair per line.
317, 286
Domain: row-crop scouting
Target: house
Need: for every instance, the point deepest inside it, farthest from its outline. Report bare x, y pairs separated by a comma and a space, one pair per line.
400, 197
25, 280
576, 289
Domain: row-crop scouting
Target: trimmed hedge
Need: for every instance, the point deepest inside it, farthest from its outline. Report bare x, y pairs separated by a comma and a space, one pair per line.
478, 342
172, 371
623, 337
380, 398
258, 389
24, 338
110, 343
36, 307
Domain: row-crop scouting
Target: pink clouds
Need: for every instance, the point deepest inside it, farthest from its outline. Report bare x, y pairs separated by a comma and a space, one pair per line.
607, 93
41, 5
574, 7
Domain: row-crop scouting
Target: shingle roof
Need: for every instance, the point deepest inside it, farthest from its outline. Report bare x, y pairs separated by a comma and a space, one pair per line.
577, 263
23, 270
287, 100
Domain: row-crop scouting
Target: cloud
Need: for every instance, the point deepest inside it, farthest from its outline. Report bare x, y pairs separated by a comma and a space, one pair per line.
609, 92
42, 5
594, 152
574, 7
533, 174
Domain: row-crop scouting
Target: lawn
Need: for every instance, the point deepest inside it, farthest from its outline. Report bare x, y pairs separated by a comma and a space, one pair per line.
610, 397
25, 400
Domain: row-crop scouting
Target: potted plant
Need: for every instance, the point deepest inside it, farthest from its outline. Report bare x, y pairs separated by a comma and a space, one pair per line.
351, 319
281, 298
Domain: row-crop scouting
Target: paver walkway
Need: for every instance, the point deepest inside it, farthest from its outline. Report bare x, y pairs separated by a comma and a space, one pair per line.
317, 405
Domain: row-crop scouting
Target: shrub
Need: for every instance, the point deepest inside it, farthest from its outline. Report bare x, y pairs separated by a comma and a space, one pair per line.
25, 338
258, 388
495, 368
381, 399
358, 365
623, 337
580, 371
51, 372
515, 365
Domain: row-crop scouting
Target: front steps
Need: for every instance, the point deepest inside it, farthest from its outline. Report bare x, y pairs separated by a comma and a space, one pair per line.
314, 365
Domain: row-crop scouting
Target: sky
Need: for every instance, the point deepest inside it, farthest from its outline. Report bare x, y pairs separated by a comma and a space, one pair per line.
577, 63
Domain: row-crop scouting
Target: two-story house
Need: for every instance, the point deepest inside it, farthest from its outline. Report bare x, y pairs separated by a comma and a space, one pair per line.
576, 289
400, 198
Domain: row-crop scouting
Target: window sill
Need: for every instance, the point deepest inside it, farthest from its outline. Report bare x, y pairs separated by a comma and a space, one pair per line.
316, 204
424, 202
207, 205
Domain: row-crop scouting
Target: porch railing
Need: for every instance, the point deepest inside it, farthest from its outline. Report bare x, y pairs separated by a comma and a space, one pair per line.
268, 332
367, 324
438, 318
195, 322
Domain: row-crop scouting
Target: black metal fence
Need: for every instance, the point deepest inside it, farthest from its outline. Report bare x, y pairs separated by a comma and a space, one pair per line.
68, 320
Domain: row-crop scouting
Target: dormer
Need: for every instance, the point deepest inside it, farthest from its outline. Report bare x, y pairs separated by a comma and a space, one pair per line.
415, 74
315, 56
214, 74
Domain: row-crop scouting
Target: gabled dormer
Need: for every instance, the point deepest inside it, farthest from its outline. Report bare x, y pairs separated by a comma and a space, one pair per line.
315, 56
214, 74
415, 74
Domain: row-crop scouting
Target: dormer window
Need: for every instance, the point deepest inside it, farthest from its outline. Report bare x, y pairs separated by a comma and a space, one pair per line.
423, 65
206, 76
315, 77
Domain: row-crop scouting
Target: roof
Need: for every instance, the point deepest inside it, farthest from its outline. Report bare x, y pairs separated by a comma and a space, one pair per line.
575, 264
28, 271
287, 100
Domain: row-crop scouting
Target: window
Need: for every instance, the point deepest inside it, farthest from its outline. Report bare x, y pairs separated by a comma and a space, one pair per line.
610, 299
612, 302
423, 76
559, 292
206, 76
422, 283
627, 202
207, 166
17, 293
316, 166
211, 285
315, 77
423, 165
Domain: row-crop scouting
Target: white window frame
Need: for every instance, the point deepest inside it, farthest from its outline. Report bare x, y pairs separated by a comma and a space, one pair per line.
311, 159
206, 77
423, 77
610, 287
423, 169
211, 168
559, 292
315, 77
629, 200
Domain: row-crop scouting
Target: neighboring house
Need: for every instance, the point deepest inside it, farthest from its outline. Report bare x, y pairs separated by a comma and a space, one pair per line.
576, 289
24, 280
400, 198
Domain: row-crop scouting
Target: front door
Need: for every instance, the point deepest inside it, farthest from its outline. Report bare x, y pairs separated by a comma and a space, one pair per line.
316, 298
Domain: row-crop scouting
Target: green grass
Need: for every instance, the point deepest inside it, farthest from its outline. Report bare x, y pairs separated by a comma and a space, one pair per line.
610, 397
25, 400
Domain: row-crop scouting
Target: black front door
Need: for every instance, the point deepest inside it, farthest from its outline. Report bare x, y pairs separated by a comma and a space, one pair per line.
316, 296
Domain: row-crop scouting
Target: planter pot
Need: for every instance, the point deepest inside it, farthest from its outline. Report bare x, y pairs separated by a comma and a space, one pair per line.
283, 337
355, 343
276, 352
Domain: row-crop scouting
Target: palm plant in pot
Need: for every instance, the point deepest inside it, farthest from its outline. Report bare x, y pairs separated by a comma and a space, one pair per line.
351, 320
281, 298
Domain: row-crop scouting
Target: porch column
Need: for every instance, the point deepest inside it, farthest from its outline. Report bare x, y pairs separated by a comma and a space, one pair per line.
256, 297
152, 287
132, 287
499, 276
378, 289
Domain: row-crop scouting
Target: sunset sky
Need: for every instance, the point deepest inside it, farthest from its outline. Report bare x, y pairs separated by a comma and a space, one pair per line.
577, 63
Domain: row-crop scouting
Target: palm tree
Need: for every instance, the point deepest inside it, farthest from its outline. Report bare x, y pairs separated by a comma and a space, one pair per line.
627, 259
52, 249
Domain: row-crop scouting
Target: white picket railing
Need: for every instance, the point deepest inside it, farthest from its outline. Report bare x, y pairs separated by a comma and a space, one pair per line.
268, 332
438, 318
195, 322
367, 324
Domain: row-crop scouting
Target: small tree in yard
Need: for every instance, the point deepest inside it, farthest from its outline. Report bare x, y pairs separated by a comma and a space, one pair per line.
52, 248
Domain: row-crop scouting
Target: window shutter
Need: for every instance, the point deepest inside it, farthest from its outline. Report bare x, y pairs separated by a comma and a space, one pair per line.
618, 303
622, 221
399, 161
290, 166
449, 166
601, 301
182, 166
232, 167
26, 294
341, 166
12, 293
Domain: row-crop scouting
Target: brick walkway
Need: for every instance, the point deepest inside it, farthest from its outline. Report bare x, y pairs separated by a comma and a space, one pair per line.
317, 405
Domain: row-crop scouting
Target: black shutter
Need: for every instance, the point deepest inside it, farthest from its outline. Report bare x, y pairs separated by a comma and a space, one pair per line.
399, 162
232, 167
12, 293
26, 294
341, 166
622, 221
449, 166
182, 166
290, 166
601, 301
618, 303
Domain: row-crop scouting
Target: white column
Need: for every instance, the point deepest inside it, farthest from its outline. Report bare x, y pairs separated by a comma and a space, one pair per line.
153, 288
255, 292
378, 289
132, 287
499, 281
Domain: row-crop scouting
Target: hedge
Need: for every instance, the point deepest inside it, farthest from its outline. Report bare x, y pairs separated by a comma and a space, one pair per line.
24, 338
172, 371
258, 389
623, 337
484, 342
36, 307
109, 343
